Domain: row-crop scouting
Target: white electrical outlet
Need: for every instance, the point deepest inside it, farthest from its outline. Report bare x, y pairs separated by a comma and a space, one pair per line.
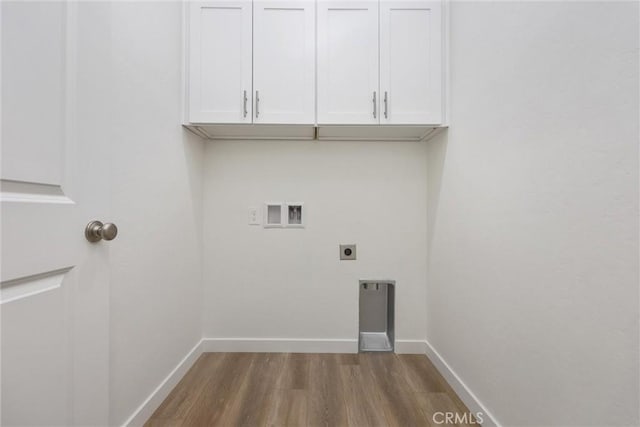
253, 216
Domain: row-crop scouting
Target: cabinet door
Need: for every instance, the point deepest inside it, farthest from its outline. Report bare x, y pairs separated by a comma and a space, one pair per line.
284, 61
411, 62
220, 61
348, 89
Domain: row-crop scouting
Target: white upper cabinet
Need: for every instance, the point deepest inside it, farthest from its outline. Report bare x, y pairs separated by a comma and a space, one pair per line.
353, 69
348, 89
220, 57
411, 62
284, 61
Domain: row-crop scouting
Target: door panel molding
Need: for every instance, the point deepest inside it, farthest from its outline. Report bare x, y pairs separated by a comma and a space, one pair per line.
32, 192
24, 287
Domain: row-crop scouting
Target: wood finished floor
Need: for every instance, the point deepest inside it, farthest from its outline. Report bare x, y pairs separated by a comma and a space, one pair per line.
290, 389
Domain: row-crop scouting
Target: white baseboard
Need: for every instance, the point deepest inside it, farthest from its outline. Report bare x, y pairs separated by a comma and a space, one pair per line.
411, 346
300, 345
461, 389
279, 345
148, 407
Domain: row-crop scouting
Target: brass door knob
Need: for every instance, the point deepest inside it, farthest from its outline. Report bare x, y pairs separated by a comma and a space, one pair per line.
96, 231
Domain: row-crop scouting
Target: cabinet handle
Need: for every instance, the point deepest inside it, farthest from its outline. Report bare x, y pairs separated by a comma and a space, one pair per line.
257, 104
386, 106
244, 104
375, 108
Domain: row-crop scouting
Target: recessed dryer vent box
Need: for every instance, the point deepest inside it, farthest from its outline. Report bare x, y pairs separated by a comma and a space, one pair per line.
376, 317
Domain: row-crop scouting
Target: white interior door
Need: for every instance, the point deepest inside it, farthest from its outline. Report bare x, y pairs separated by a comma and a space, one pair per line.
348, 89
284, 61
220, 61
54, 290
411, 61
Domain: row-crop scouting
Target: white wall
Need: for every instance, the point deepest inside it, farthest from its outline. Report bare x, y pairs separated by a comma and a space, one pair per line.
533, 212
289, 283
156, 259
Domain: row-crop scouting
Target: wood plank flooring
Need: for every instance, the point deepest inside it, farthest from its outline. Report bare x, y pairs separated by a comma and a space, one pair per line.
288, 389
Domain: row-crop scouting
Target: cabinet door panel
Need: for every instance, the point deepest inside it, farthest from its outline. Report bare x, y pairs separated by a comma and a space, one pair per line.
410, 62
220, 62
284, 62
348, 62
